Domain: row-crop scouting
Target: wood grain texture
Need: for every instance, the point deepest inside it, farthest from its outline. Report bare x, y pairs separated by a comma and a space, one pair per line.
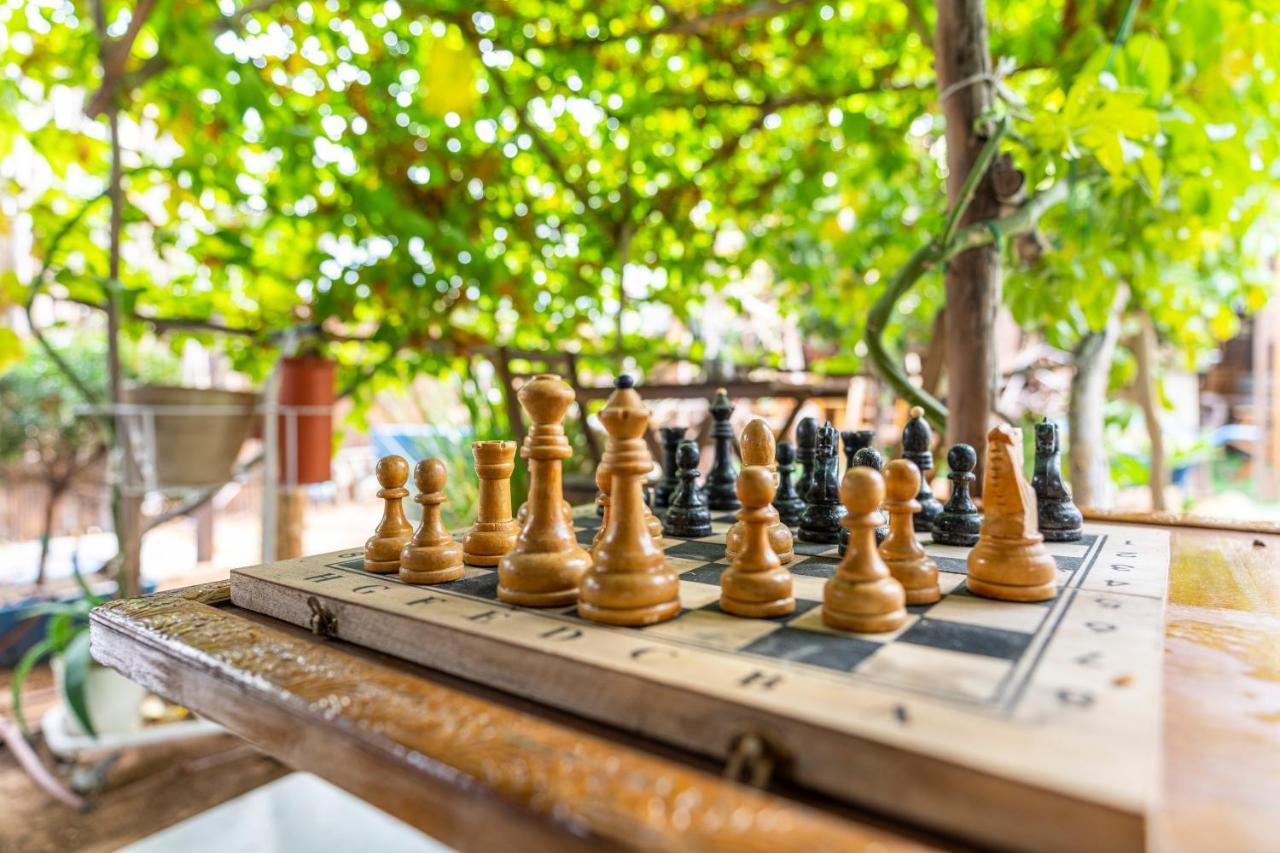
470, 772
1222, 693
1221, 742
1179, 520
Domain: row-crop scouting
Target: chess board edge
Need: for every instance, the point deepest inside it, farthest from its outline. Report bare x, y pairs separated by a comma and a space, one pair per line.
944, 796
933, 790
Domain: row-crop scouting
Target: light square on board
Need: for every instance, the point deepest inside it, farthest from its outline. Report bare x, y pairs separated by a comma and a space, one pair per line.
935, 670
694, 595
811, 620
972, 610
710, 628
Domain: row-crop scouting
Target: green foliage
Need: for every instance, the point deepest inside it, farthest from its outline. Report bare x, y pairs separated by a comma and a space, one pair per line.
67, 634
423, 180
40, 426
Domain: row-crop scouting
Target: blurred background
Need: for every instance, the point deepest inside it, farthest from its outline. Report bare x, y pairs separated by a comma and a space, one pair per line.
246, 248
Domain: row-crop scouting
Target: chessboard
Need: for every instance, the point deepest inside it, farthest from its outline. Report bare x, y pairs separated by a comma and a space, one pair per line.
1017, 724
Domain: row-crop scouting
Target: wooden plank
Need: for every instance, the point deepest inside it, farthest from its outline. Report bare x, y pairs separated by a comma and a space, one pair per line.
814, 387
471, 773
1179, 520
1221, 746
1063, 745
1222, 694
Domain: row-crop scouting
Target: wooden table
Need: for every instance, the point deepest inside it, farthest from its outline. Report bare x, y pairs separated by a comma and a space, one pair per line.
478, 769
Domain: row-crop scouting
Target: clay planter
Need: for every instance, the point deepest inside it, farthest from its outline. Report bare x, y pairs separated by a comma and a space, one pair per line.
306, 381
194, 448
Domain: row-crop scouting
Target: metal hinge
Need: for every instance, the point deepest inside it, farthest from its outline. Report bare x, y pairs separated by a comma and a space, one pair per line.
322, 623
751, 760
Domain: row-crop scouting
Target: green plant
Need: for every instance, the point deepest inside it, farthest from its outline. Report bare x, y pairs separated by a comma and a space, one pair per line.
68, 636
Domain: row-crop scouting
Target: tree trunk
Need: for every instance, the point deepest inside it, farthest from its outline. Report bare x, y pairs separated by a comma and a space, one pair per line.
55, 492
1086, 453
1145, 349
973, 277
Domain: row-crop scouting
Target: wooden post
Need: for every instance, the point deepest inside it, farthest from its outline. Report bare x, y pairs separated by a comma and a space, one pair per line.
290, 519
1087, 450
204, 532
973, 277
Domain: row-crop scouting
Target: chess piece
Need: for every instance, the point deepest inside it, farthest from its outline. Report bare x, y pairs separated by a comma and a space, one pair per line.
431, 556
959, 522
756, 584
1010, 561
855, 440
786, 501
901, 551
917, 438
688, 516
522, 516
820, 521
862, 596
1059, 518
721, 494
382, 551
495, 531
866, 457
631, 582
806, 448
604, 482
671, 438
757, 444
546, 565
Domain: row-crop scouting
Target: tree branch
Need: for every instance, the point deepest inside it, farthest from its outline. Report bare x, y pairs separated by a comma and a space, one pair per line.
701, 24
927, 257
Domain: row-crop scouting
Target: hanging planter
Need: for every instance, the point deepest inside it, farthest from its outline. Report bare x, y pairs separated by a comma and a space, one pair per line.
305, 421
194, 434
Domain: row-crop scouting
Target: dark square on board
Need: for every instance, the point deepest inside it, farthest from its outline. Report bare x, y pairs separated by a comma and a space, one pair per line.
814, 648
970, 639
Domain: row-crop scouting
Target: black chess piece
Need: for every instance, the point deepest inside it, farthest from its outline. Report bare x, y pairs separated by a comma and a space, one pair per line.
867, 457
1060, 519
806, 446
855, 440
722, 479
671, 438
917, 437
959, 523
823, 510
688, 516
786, 501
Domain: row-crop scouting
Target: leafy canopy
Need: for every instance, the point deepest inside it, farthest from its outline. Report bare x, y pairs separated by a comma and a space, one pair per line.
424, 178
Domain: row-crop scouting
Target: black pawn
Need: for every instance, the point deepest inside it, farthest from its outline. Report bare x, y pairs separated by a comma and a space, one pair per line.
786, 501
917, 437
806, 447
855, 440
688, 516
722, 479
959, 523
671, 438
1060, 519
867, 457
823, 509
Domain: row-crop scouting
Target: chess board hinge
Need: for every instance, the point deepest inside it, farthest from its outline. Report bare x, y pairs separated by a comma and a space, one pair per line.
322, 622
751, 760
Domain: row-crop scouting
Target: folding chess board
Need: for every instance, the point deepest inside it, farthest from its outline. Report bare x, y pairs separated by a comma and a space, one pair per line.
1031, 725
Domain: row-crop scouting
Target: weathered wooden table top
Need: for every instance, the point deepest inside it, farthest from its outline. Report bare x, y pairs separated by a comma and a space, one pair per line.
474, 767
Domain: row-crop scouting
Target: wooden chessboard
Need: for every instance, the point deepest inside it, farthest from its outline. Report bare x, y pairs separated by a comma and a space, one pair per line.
1029, 725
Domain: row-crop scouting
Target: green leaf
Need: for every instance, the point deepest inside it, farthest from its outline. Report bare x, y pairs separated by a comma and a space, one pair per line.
11, 348
1152, 170
76, 664
20, 674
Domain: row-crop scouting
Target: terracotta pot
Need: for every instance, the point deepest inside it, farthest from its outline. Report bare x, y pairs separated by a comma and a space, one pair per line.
305, 455
195, 448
